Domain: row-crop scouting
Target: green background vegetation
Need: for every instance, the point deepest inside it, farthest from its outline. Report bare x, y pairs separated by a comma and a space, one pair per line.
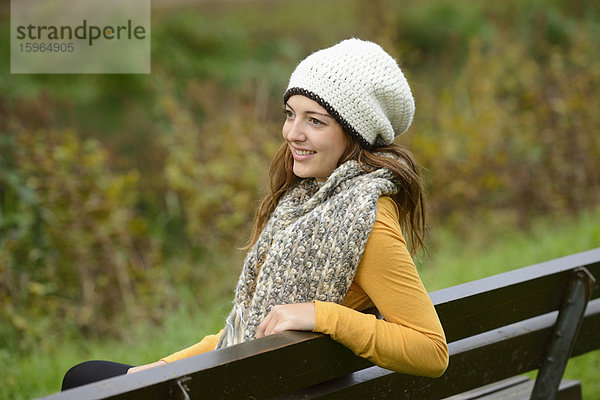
124, 198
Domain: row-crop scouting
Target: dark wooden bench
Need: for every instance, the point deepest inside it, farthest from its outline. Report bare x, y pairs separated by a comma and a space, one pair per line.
532, 318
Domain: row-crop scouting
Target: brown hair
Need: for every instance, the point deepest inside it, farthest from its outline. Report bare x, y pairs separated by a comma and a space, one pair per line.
409, 199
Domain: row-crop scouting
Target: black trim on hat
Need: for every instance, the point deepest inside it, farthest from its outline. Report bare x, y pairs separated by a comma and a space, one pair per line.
349, 129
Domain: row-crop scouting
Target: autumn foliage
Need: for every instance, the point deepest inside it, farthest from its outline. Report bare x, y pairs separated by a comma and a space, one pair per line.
116, 189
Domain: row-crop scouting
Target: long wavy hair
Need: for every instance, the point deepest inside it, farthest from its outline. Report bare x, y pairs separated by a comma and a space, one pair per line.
409, 199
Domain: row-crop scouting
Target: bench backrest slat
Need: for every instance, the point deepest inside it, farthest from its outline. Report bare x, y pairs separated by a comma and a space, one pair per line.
495, 301
518, 348
263, 367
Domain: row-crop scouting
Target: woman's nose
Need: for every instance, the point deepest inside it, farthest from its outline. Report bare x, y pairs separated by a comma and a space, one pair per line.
296, 131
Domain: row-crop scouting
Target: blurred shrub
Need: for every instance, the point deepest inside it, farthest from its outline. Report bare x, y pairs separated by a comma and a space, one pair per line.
515, 130
435, 28
213, 172
72, 246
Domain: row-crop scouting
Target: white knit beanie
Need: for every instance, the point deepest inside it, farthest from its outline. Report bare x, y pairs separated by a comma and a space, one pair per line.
361, 86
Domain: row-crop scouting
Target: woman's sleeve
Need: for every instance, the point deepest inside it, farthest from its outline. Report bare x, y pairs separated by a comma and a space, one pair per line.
208, 343
410, 339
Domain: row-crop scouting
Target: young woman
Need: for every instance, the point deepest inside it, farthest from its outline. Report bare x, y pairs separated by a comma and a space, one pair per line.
329, 238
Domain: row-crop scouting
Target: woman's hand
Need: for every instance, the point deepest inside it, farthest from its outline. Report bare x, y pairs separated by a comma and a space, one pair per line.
288, 317
146, 366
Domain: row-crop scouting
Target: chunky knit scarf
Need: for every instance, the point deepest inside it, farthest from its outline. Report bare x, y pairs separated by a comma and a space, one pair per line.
310, 247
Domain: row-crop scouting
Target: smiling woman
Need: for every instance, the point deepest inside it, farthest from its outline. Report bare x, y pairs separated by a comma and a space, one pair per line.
328, 240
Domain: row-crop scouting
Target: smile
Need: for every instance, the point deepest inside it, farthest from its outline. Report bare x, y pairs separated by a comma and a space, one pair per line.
304, 152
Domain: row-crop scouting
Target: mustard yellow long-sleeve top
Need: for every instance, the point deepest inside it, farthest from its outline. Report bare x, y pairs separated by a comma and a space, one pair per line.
409, 339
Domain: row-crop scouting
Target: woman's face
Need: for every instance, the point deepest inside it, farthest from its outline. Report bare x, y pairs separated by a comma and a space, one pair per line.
315, 138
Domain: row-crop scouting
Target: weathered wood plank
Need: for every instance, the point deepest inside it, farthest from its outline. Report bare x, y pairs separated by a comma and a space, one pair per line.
491, 389
502, 299
518, 388
474, 361
264, 367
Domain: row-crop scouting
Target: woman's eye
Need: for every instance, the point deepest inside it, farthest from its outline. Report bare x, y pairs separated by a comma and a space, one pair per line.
288, 114
315, 121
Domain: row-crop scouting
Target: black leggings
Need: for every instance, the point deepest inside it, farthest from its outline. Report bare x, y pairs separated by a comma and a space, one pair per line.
92, 371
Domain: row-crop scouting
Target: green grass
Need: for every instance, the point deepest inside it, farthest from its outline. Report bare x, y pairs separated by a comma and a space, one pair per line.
455, 259
40, 373
490, 249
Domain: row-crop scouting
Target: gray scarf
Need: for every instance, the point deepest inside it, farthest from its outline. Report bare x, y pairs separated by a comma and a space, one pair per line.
310, 247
